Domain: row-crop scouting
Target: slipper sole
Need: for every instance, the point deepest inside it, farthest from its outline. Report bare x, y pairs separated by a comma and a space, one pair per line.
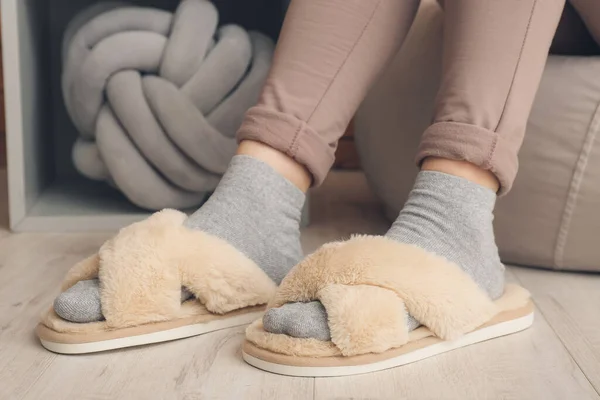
73, 343
505, 323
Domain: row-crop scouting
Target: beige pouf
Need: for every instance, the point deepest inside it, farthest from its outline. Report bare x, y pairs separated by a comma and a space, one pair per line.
552, 216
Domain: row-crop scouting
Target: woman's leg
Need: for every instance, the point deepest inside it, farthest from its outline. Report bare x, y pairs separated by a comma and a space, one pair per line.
494, 55
328, 55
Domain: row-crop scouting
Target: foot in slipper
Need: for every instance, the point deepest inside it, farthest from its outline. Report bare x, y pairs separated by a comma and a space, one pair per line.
229, 255
437, 266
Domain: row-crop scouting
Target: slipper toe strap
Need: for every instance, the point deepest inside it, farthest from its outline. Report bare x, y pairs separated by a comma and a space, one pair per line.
357, 321
85, 269
368, 284
143, 268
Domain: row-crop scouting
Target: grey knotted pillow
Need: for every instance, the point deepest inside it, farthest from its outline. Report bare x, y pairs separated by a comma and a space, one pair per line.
157, 97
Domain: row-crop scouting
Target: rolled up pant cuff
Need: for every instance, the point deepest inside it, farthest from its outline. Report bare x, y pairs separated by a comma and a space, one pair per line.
290, 136
479, 146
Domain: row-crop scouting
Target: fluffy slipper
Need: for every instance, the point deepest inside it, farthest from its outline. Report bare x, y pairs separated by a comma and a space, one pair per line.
141, 272
368, 285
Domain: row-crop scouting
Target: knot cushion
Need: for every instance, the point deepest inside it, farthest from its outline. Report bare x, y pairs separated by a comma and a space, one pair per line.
157, 97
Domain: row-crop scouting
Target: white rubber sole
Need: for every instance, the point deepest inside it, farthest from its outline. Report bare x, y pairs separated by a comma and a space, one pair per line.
501, 329
155, 337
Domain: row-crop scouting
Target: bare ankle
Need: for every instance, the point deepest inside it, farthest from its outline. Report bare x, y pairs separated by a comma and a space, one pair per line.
462, 169
280, 162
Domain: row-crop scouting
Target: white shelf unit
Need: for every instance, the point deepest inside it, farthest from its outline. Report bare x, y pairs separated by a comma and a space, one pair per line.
45, 192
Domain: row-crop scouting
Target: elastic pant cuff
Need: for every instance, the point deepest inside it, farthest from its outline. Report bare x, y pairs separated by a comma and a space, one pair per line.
290, 136
479, 146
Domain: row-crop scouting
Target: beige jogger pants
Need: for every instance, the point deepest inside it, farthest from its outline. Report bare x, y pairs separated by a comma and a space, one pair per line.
331, 51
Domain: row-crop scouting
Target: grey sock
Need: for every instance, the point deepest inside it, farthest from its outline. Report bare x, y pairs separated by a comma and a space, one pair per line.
254, 209
258, 212
291, 319
445, 215
81, 302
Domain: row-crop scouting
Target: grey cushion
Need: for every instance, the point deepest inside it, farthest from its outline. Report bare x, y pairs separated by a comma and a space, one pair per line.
551, 218
130, 172
173, 95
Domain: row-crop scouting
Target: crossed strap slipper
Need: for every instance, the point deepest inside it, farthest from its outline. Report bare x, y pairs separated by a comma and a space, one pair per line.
141, 272
368, 286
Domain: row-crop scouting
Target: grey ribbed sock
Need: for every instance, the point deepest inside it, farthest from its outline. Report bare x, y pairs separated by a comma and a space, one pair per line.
444, 214
81, 302
254, 209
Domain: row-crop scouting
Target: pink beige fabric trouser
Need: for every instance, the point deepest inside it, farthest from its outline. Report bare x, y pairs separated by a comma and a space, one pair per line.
331, 51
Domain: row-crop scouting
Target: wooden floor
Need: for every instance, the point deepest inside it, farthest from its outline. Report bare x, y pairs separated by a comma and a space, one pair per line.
559, 358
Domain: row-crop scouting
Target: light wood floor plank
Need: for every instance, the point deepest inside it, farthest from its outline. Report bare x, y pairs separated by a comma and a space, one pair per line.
32, 266
570, 302
204, 367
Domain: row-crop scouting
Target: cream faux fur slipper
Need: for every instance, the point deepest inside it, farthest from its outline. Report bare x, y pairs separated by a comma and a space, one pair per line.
368, 285
142, 270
